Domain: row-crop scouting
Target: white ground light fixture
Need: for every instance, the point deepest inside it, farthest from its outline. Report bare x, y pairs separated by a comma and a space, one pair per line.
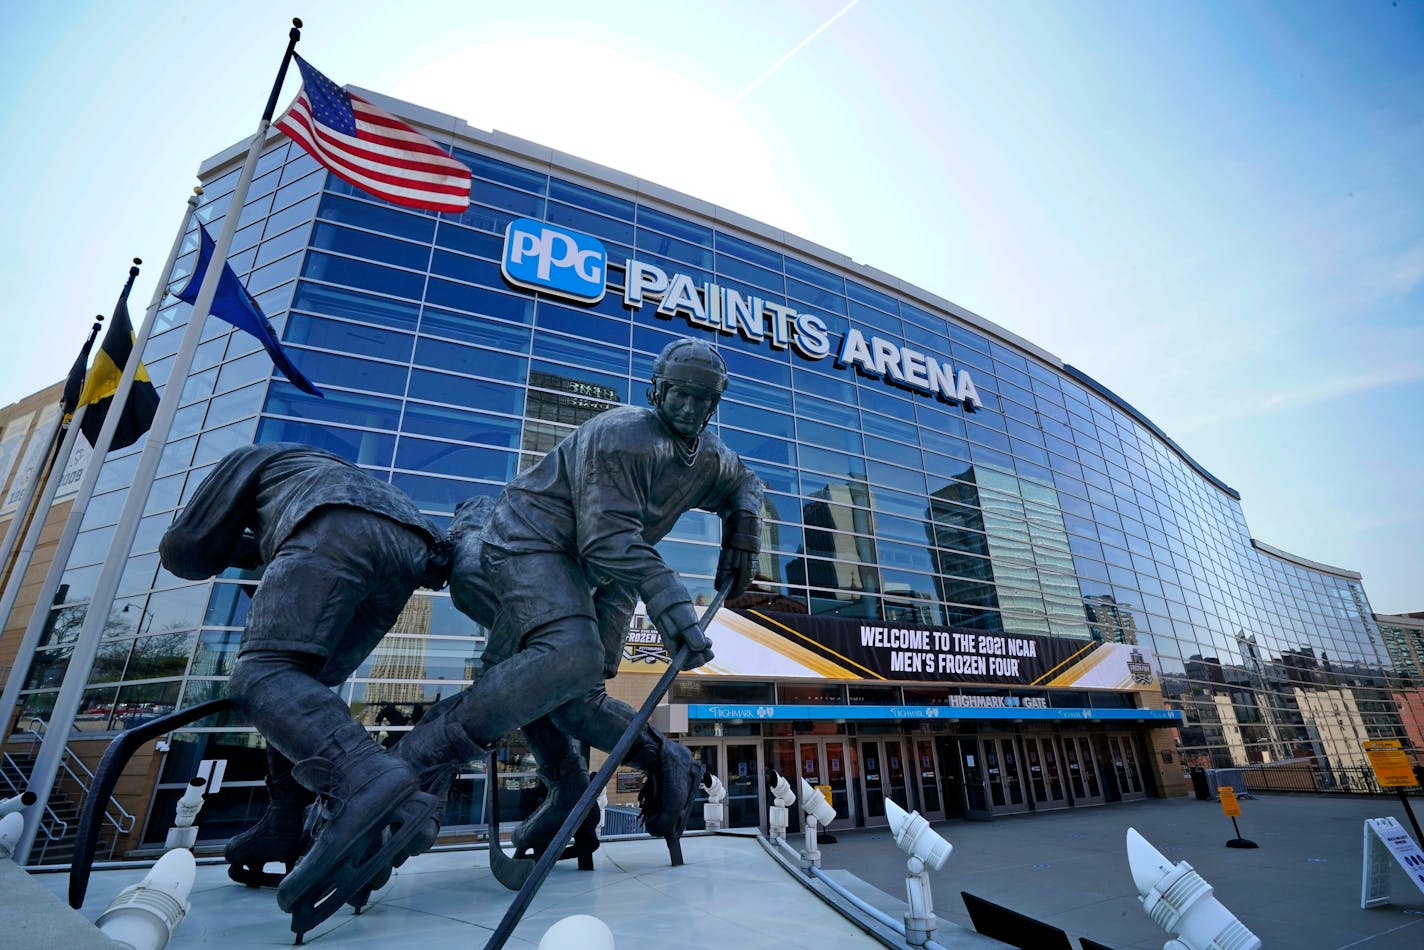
1176, 897
12, 827
11, 805
144, 915
716, 799
782, 799
814, 804
818, 813
184, 834
927, 851
914, 837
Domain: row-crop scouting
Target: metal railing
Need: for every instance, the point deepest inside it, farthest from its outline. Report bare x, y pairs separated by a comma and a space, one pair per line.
80, 779
52, 827
620, 820
1307, 776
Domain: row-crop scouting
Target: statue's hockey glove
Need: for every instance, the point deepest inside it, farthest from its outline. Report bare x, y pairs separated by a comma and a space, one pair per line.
741, 543
677, 624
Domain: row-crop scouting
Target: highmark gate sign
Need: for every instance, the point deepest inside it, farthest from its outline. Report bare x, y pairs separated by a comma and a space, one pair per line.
573, 265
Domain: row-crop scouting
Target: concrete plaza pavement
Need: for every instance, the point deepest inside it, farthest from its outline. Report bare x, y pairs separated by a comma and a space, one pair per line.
731, 893
1299, 890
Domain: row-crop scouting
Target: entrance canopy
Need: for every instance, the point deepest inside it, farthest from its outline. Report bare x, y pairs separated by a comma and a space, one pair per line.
724, 712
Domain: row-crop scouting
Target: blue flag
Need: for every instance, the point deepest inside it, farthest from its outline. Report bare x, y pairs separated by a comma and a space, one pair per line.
233, 304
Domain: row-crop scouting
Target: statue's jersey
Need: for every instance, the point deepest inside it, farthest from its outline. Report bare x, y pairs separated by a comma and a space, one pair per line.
271, 489
614, 488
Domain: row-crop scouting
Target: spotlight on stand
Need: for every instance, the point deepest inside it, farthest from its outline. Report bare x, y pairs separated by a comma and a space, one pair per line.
782, 798
144, 915
716, 798
927, 851
1181, 903
914, 837
184, 834
818, 812
814, 804
12, 826
11, 805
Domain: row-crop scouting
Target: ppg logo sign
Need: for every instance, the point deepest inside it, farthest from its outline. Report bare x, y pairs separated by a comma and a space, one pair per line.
556, 260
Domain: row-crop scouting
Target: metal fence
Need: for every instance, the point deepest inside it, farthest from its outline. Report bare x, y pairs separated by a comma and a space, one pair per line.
621, 820
1310, 777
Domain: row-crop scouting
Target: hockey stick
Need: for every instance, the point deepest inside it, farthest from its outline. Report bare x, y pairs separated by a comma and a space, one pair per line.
511, 872
106, 776
546, 861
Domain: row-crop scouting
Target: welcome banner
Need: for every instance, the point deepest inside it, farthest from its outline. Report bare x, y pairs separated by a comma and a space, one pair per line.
764, 644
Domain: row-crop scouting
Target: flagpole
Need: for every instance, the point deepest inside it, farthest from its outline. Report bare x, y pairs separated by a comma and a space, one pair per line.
76, 675
44, 600
24, 512
12, 533
58, 462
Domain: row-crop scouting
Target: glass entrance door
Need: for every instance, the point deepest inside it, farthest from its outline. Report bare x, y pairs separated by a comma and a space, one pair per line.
737, 766
1045, 774
1082, 771
1005, 775
710, 755
823, 762
882, 775
1083, 780
926, 776
962, 782
744, 785
1123, 753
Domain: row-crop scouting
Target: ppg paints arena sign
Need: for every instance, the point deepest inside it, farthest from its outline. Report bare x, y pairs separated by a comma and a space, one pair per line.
573, 265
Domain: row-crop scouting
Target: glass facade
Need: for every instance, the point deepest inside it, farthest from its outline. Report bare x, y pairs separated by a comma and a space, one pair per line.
1051, 509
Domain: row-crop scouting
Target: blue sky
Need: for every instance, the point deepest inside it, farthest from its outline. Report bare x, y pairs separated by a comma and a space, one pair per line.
1215, 209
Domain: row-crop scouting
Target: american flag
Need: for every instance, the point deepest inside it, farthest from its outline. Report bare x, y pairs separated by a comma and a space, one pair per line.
372, 149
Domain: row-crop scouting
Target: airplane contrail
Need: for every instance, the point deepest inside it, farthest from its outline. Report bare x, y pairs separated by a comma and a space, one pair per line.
790, 53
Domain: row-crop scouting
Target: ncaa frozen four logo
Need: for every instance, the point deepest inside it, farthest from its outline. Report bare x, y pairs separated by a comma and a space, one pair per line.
573, 265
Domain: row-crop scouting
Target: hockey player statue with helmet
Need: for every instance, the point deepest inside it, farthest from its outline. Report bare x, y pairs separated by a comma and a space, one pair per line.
554, 567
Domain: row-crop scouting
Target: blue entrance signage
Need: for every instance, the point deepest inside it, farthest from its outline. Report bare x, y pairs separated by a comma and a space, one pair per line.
716, 711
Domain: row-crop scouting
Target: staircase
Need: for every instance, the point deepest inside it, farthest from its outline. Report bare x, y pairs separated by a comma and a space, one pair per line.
59, 822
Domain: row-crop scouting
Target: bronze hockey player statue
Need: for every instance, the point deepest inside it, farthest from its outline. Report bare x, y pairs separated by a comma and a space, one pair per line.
342, 553
554, 568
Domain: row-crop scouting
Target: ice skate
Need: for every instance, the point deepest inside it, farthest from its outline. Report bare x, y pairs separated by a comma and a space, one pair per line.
371, 817
279, 836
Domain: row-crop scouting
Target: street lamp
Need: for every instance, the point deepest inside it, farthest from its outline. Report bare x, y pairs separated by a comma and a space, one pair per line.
145, 616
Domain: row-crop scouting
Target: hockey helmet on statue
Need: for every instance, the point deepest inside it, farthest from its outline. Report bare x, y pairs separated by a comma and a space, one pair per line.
691, 363
688, 364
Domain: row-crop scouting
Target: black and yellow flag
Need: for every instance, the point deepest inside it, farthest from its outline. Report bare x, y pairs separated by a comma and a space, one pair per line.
99, 388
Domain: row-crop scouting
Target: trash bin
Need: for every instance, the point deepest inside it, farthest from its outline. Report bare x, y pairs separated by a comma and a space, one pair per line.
1199, 784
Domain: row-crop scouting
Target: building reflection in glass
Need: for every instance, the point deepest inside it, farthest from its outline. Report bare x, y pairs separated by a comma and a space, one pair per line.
1293, 707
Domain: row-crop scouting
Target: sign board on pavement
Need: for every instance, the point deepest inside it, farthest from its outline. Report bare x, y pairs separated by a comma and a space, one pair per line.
1386, 838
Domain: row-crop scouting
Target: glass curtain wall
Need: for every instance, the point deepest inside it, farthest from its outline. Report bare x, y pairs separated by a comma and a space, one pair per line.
1053, 509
